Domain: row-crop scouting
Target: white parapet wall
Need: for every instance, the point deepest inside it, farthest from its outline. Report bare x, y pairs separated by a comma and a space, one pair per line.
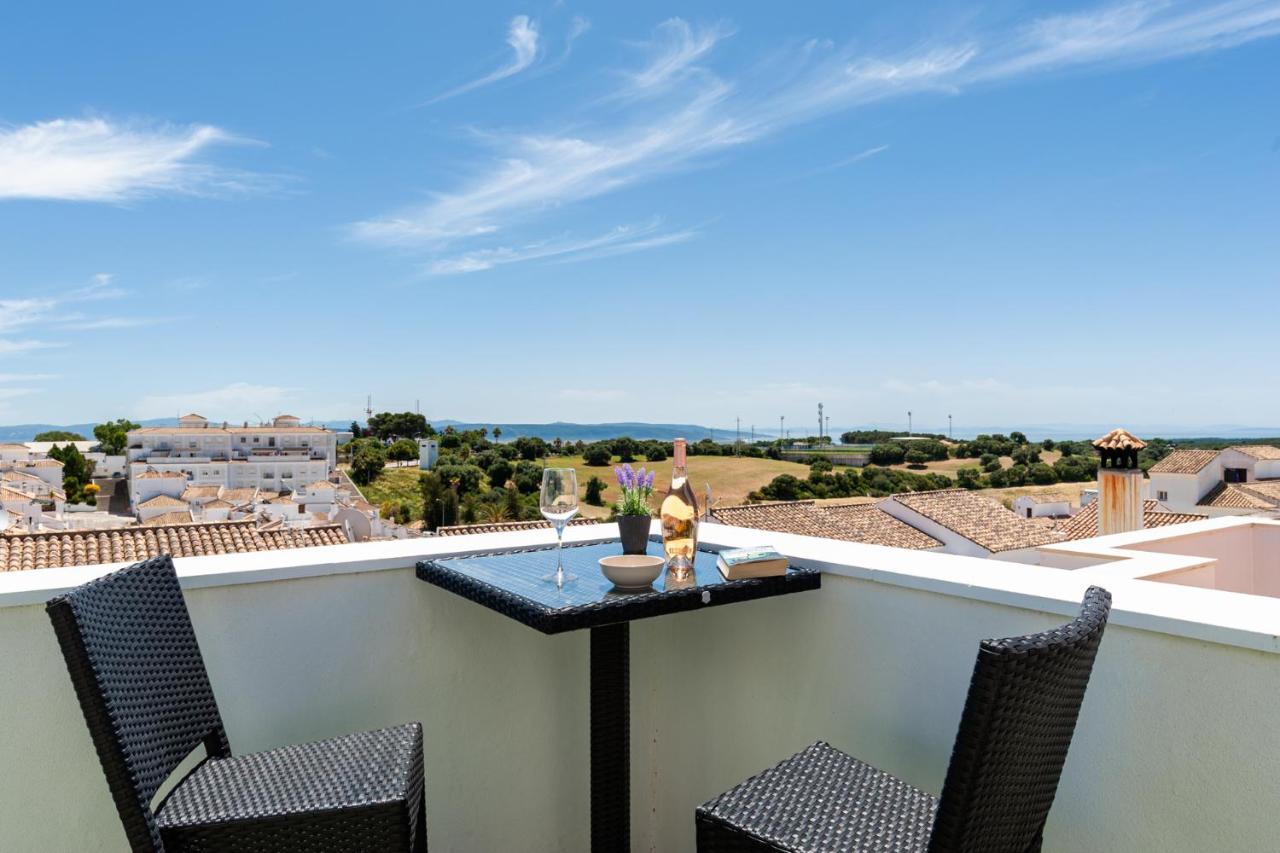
1178, 748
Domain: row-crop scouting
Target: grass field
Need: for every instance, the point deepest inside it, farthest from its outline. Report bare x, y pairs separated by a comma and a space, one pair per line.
731, 478
399, 485
951, 466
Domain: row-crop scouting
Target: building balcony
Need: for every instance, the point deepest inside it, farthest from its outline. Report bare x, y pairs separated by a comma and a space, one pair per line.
1177, 748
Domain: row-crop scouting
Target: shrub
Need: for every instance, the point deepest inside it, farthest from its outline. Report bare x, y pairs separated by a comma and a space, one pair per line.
916, 458
598, 454
595, 491
1042, 475
655, 452
625, 448
969, 478
888, 453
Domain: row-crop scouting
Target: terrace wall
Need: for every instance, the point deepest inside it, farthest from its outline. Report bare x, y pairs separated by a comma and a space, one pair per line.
1178, 747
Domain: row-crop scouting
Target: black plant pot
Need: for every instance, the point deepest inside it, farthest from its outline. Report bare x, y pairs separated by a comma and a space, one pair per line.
634, 530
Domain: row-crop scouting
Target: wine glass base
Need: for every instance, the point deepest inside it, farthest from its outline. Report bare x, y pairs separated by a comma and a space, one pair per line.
559, 579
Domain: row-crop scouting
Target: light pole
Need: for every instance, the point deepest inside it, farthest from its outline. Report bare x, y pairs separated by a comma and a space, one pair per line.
908, 424
782, 432
950, 434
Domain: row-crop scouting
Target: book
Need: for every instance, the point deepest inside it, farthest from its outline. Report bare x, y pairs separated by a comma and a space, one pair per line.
759, 561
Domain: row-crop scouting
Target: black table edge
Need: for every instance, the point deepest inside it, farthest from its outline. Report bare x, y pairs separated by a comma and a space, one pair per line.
627, 607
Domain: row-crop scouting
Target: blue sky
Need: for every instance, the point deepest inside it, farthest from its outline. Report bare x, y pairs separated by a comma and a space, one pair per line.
664, 212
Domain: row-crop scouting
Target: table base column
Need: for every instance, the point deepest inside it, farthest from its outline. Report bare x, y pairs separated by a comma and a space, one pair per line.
611, 738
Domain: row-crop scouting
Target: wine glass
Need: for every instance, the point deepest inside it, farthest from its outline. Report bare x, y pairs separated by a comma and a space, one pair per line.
559, 503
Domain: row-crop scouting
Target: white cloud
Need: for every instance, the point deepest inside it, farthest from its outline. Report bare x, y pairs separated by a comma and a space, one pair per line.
522, 36
26, 377
237, 401
616, 241
14, 347
99, 160
675, 49
679, 126
48, 314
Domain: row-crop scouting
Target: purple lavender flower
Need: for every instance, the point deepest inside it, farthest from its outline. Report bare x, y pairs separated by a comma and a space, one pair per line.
617, 473
648, 483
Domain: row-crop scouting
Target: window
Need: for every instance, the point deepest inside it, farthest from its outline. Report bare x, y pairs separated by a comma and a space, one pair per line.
1028, 512
255, 439
1235, 475
1162, 496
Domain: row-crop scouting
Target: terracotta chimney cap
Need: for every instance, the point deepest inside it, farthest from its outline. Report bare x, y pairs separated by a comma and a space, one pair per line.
1119, 439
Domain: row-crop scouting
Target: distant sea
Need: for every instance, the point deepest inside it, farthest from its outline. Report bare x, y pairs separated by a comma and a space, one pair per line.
696, 432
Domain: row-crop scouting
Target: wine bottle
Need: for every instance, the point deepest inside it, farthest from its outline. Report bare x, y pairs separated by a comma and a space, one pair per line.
680, 517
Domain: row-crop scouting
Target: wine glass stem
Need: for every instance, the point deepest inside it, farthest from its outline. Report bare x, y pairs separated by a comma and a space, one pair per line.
559, 553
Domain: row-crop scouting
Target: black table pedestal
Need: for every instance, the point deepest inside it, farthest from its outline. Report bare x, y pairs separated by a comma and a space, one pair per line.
611, 738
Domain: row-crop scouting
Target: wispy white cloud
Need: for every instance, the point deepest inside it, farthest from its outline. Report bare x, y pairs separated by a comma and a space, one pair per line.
47, 315
100, 160
9, 346
237, 401
680, 126
27, 377
674, 51
616, 241
522, 36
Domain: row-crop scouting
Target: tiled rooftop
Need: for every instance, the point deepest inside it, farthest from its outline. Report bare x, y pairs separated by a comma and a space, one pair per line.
979, 519
1258, 451
502, 526
865, 523
162, 500
169, 518
1233, 496
1084, 524
53, 549
1119, 439
1184, 462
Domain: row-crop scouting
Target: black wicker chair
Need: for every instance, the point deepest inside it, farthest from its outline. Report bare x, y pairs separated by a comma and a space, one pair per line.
137, 671
1018, 720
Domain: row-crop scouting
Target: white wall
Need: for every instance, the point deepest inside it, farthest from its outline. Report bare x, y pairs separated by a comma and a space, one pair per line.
1178, 748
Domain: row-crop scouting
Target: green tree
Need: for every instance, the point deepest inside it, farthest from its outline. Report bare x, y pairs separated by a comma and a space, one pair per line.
527, 477
355, 430
1018, 437
59, 435
499, 472
887, 453
112, 436
432, 489
464, 478
511, 500
1047, 444
449, 508
916, 458
654, 451
367, 462
598, 454
497, 433
595, 491
76, 471
625, 448
403, 450
969, 478
390, 425
530, 447
1042, 474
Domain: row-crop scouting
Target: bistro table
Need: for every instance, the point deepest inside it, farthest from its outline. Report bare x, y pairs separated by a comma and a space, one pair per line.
511, 583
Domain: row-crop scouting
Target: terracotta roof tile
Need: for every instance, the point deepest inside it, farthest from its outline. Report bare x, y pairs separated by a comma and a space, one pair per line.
1084, 524
1119, 439
1184, 462
1259, 494
169, 518
1258, 451
161, 500
978, 519
159, 475
19, 551
865, 523
206, 490
504, 526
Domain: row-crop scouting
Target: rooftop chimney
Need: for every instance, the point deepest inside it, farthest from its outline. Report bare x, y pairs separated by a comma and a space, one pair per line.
1119, 482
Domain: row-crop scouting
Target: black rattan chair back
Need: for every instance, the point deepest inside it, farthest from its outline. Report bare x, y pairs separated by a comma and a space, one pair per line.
137, 671
1018, 720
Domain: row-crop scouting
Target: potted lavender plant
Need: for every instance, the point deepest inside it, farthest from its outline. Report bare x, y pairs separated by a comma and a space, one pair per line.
632, 509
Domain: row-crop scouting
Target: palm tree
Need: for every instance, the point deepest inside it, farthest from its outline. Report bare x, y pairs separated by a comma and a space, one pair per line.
497, 433
495, 512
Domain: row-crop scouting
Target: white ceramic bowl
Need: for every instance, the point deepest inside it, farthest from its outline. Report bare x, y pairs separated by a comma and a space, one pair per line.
632, 571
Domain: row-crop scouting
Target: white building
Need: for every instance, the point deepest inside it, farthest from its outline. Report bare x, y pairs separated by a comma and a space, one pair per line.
1240, 480
1043, 505
280, 457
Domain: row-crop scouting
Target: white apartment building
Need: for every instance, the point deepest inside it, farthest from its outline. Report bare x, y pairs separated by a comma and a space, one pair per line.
282, 456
